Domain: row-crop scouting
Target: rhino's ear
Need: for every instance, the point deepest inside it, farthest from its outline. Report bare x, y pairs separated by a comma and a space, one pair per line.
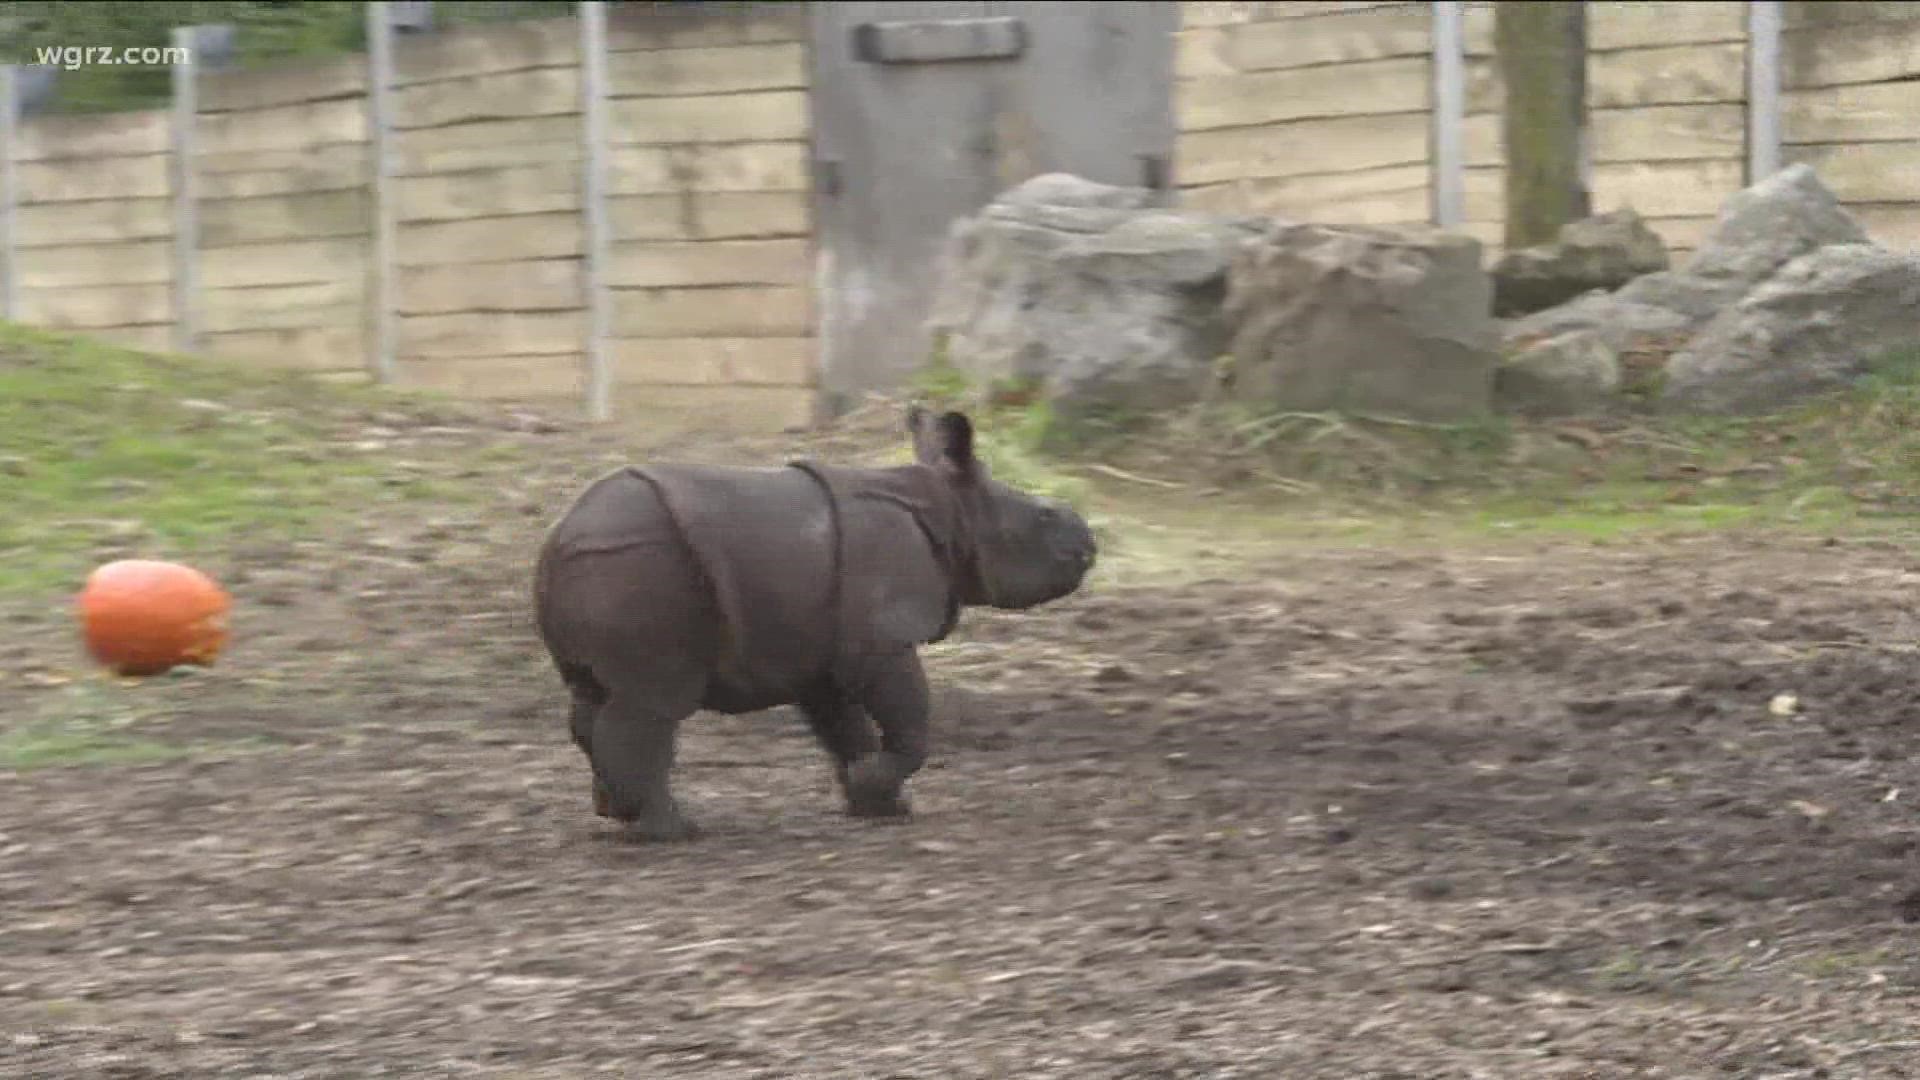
926, 448
953, 435
945, 444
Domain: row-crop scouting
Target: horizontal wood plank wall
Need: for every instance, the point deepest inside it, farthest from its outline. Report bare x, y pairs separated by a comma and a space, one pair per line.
1851, 104
487, 184
710, 276
1666, 94
94, 215
1666, 86
286, 215
708, 209
1314, 111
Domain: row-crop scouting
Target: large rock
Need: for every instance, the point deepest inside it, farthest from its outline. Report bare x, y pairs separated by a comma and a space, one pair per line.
1066, 189
1615, 319
1815, 326
1759, 230
1107, 302
1762, 228
1601, 252
1574, 373
1363, 320
1570, 360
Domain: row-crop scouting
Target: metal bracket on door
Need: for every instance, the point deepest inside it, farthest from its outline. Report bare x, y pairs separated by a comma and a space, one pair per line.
826, 176
931, 41
1153, 172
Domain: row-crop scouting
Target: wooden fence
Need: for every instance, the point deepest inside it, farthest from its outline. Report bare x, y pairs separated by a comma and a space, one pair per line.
420, 214
613, 211
1342, 112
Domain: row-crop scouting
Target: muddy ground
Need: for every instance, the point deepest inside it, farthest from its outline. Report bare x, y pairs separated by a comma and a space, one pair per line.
1340, 812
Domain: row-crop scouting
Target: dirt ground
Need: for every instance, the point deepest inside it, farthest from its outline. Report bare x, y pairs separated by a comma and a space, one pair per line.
1343, 813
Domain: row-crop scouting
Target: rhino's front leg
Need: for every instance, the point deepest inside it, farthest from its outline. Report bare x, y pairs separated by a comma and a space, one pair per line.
844, 731
895, 695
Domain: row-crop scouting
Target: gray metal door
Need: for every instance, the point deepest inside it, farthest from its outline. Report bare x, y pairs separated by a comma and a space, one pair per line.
923, 112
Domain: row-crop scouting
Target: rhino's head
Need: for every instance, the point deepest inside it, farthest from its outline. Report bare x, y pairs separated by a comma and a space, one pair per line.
1028, 549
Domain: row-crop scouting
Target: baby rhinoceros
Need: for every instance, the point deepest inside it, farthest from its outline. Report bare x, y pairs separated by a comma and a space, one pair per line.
673, 588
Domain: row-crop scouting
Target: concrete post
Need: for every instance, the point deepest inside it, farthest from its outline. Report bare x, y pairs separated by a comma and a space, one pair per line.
186, 192
1763, 89
382, 303
1449, 114
593, 111
9, 195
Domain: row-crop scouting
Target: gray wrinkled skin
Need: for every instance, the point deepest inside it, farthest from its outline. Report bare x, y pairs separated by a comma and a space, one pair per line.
669, 589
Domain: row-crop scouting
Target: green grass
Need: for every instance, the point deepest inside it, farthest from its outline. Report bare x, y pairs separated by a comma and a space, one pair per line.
108, 453
1845, 462
106, 450
1214, 476
46, 745
1843, 965
92, 721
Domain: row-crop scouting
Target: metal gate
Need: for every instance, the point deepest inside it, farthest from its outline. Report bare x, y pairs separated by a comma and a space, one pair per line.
923, 112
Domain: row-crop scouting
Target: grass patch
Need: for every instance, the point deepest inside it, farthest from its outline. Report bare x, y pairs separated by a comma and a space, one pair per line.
48, 744
1847, 461
106, 452
1221, 475
91, 721
1012, 430
1843, 964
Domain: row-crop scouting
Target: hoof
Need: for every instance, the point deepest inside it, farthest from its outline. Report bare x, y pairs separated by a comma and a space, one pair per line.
602, 806
662, 829
890, 810
877, 804
873, 794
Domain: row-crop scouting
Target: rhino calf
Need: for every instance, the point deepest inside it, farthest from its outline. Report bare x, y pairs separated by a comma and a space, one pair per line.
669, 589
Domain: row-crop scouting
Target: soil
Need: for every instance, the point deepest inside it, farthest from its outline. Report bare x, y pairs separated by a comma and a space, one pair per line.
1345, 813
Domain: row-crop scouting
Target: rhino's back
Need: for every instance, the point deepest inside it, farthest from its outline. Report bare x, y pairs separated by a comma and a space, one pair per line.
617, 512
756, 544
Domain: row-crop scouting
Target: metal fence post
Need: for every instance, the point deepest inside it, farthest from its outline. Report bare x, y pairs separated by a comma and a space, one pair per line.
1763, 89
9, 194
383, 347
1449, 114
186, 192
593, 112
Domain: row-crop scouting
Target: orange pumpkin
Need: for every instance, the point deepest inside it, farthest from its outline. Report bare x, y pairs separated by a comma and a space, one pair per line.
143, 617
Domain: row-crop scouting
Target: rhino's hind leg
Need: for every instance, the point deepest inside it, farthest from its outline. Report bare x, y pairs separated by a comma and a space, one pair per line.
633, 754
845, 733
582, 723
587, 698
895, 695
